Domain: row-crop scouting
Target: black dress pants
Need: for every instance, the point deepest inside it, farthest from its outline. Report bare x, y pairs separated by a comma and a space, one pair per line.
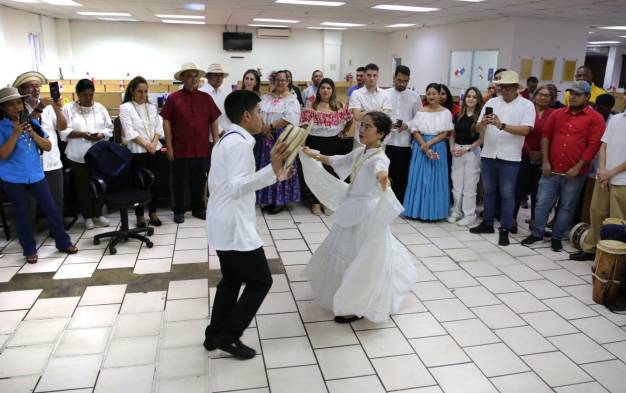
527, 183
230, 317
399, 162
190, 174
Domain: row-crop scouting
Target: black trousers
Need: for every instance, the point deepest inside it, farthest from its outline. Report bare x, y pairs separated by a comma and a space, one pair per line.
190, 175
150, 162
400, 160
527, 183
89, 206
328, 146
230, 317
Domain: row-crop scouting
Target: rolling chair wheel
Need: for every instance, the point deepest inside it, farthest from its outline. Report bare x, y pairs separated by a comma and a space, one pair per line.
149, 244
113, 250
150, 231
96, 241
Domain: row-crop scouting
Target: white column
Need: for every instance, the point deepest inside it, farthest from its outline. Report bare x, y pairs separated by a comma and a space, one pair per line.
332, 54
613, 67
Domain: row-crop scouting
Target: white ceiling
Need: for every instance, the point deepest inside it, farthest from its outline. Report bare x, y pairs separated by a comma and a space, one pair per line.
241, 12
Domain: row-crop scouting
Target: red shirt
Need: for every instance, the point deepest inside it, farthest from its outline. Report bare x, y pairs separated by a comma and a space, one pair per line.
573, 137
526, 94
532, 141
190, 114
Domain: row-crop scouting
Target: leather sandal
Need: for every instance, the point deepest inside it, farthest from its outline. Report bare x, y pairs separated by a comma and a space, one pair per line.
31, 258
155, 222
71, 250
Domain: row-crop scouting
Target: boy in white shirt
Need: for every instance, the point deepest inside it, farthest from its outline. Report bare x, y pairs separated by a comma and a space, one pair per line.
231, 224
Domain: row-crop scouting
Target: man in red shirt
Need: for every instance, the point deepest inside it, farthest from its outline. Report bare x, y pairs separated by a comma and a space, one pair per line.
571, 139
190, 121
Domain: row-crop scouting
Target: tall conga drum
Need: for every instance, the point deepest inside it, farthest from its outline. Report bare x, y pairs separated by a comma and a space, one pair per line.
608, 271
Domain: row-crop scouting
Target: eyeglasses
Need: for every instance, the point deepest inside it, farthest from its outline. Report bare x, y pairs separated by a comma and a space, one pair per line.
280, 80
544, 95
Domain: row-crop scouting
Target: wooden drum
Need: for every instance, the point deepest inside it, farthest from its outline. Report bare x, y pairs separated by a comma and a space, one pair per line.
608, 271
577, 234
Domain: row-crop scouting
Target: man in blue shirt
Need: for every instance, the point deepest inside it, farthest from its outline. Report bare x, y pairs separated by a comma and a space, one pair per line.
360, 75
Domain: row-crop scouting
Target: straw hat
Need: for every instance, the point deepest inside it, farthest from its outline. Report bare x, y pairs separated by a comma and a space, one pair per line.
10, 94
216, 68
29, 76
508, 78
188, 67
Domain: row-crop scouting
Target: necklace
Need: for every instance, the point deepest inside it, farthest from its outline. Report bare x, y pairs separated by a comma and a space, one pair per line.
360, 162
84, 114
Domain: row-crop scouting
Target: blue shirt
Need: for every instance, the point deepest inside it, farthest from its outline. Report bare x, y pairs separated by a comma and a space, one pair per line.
353, 88
24, 164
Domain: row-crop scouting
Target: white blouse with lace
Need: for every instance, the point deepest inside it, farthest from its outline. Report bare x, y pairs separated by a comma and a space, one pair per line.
431, 123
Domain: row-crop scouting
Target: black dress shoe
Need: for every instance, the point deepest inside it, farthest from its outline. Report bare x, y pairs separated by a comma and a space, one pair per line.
155, 223
482, 228
556, 245
582, 256
340, 319
179, 218
237, 349
531, 239
275, 210
209, 344
503, 239
199, 214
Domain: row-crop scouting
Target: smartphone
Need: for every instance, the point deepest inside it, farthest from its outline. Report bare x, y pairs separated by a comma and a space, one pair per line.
24, 118
488, 111
398, 123
55, 92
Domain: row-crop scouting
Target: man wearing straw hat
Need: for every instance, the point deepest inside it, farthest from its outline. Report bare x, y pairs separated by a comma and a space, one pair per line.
190, 119
215, 77
50, 116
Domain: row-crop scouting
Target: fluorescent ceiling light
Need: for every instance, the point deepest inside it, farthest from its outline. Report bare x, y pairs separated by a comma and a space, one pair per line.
180, 16
311, 2
183, 22
401, 25
394, 7
89, 13
472, 1
63, 2
275, 20
192, 6
261, 25
603, 42
592, 32
26, 1
342, 24
326, 28
119, 19
613, 27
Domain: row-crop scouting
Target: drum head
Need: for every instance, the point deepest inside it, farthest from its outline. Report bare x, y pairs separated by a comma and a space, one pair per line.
612, 247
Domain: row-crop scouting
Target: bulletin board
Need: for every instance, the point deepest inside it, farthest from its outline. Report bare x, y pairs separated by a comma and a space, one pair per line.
472, 68
484, 65
460, 69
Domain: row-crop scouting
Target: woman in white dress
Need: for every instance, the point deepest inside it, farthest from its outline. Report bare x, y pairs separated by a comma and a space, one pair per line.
142, 129
360, 270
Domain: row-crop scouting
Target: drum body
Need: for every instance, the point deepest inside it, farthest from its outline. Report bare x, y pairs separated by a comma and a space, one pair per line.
608, 271
577, 234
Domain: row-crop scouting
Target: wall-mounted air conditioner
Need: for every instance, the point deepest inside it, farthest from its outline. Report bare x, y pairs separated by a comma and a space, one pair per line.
273, 33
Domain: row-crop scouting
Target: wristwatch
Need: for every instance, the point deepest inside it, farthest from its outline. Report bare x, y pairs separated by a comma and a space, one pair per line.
502, 126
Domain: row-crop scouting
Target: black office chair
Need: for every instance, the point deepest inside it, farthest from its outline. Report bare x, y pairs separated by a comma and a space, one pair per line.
120, 187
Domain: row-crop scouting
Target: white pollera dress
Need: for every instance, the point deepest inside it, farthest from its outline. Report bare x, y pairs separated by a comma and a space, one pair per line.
360, 268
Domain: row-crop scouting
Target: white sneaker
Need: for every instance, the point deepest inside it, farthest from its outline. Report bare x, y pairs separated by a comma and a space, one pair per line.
453, 218
102, 221
89, 224
467, 221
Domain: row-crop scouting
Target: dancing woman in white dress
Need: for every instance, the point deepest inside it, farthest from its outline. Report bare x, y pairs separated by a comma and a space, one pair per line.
360, 270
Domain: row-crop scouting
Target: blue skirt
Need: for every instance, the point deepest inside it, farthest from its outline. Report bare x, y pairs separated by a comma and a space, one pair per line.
427, 194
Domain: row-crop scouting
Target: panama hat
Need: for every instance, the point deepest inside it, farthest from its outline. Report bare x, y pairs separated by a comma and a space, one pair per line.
10, 94
188, 67
508, 78
216, 68
29, 76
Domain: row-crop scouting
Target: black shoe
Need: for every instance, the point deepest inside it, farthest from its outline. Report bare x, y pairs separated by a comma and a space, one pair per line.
531, 239
556, 245
340, 319
237, 349
582, 256
199, 214
209, 343
179, 218
155, 223
503, 240
482, 228
141, 224
275, 210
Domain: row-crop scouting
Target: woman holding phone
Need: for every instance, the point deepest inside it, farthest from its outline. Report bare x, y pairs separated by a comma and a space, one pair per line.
88, 122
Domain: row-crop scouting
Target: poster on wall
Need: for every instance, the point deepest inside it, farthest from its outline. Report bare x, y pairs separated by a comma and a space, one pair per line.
569, 69
484, 64
547, 69
525, 68
460, 69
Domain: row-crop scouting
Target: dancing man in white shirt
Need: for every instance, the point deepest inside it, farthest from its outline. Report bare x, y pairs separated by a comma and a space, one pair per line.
232, 230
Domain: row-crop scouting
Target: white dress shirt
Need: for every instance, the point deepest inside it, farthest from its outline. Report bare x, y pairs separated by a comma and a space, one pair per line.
219, 96
405, 104
502, 144
231, 216
140, 120
93, 119
364, 100
615, 139
50, 160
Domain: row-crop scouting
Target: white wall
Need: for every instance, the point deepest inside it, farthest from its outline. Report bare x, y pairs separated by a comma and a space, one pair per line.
362, 47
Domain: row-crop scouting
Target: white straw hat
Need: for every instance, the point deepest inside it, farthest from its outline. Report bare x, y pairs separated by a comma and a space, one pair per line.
10, 94
29, 76
188, 67
508, 78
216, 68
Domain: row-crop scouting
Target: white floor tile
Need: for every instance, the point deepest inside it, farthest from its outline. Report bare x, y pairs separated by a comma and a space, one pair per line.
133, 351
19, 384
83, 342
183, 333
103, 294
296, 273
548, 323
367, 384
79, 270
287, 352
157, 251
138, 324
143, 302
72, 372
84, 256
520, 272
462, 378
496, 360
384, 342
543, 289
184, 362
480, 269
580, 348
470, 332
295, 257
62, 307
280, 302
499, 258
618, 349
291, 245
600, 329
500, 284
280, 283
456, 279
448, 310
562, 277
583, 293
447, 243
330, 334
9, 320
524, 340
307, 379
42, 266
186, 289
418, 325
311, 312
482, 246
570, 308
302, 291
151, 266
195, 384
45, 331
438, 351
411, 305
521, 383
476, 296
184, 309
618, 319
24, 360
556, 369
125, 379
18, 300
94, 316
538, 262
280, 325
191, 244
190, 256
343, 362
589, 387
610, 374
117, 261
522, 302
436, 262
402, 372
431, 290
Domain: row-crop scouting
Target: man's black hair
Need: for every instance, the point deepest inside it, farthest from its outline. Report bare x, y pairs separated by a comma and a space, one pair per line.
238, 102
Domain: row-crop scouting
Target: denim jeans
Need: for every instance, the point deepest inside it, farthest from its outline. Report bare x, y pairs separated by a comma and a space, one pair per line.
499, 176
551, 188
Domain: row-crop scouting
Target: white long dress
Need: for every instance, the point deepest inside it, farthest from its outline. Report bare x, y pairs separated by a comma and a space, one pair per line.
360, 268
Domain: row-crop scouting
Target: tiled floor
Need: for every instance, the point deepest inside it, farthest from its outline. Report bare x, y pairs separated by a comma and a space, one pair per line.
481, 318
